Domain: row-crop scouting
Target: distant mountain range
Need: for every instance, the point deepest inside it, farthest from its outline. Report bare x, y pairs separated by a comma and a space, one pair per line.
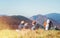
39, 18
53, 17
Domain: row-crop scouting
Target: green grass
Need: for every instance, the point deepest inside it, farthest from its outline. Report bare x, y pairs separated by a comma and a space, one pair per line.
29, 34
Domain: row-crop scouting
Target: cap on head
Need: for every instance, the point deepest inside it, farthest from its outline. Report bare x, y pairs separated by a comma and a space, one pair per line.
22, 22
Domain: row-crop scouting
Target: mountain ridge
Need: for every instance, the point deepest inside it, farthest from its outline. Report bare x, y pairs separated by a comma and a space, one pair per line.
54, 16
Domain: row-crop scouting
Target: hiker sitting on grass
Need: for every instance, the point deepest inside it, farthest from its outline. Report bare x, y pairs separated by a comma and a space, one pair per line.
25, 26
34, 25
21, 25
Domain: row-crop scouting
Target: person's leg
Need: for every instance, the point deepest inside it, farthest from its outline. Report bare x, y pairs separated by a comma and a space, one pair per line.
52, 27
57, 28
47, 27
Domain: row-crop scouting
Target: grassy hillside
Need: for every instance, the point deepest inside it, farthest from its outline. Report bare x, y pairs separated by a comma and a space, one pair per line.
29, 34
7, 23
12, 22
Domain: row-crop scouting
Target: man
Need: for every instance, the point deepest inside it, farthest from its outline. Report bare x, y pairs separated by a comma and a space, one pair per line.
34, 25
47, 24
25, 26
21, 25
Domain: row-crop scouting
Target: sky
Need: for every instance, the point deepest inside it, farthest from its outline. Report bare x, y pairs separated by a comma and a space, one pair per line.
29, 7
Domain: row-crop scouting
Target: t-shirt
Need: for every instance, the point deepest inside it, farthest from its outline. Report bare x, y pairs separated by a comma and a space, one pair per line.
45, 23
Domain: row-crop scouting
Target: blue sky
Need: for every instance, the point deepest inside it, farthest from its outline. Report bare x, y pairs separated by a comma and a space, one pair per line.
29, 7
